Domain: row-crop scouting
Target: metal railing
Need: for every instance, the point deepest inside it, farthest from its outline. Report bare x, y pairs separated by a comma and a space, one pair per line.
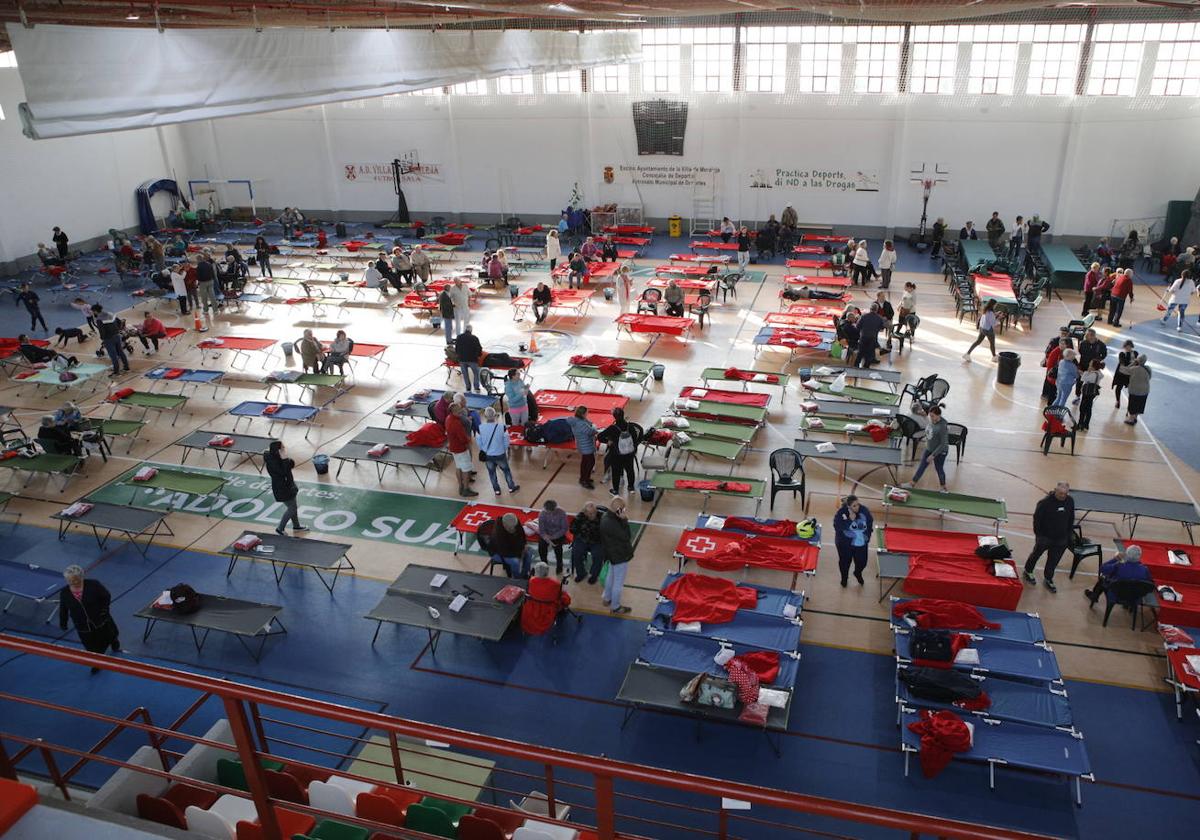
621, 799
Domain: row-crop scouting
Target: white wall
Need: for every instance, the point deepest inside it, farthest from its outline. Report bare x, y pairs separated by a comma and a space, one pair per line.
85, 185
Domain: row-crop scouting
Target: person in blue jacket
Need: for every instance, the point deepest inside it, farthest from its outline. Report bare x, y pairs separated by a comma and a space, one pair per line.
852, 527
1125, 566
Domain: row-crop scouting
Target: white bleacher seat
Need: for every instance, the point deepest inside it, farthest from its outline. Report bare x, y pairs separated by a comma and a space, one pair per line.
220, 821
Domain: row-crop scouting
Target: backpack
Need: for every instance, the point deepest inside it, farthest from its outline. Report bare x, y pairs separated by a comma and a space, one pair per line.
500, 360
625, 444
533, 433
184, 599
940, 686
557, 431
931, 645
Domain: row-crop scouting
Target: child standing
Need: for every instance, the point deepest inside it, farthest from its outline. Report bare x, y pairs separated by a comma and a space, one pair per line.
1091, 389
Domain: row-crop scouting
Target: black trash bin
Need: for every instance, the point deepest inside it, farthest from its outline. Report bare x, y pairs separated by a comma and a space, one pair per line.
321, 464
1006, 373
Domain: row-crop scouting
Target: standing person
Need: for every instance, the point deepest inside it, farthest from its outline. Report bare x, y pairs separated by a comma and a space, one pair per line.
154, 252
1178, 297
1091, 349
888, 314
1121, 380
860, 264
968, 231
422, 267
743, 251
937, 234
61, 242
869, 327
86, 602
207, 284
987, 330
460, 296
33, 306
887, 262
847, 334
458, 442
492, 439
1089, 389
469, 351
1090, 281
908, 302
516, 397
553, 248
852, 526
1139, 388
585, 444
178, 275
542, 297
624, 286
1068, 375
552, 533
995, 230
191, 283
621, 440
1016, 241
1033, 233
616, 540
446, 311
1053, 524
585, 544
85, 309
262, 256
111, 339
283, 485
1050, 363
937, 446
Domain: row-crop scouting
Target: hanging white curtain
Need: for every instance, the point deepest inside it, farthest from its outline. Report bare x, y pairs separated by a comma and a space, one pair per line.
83, 79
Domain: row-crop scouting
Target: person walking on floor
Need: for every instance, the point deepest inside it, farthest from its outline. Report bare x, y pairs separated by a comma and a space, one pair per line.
587, 552
469, 351
621, 440
1068, 375
33, 306
262, 256
1178, 297
1121, 380
1090, 281
624, 287
860, 264
516, 397
1053, 524
1122, 291
283, 486
111, 338
62, 243
460, 296
446, 312
987, 330
937, 446
458, 443
852, 527
743, 251
1091, 349
492, 439
1138, 373
1088, 391
887, 262
552, 533
616, 539
585, 445
86, 603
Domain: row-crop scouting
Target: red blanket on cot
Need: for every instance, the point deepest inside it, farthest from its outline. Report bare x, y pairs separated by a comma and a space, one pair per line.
778, 528
962, 578
789, 337
942, 735
934, 613
1156, 559
765, 663
607, 365
925, 541
751, 398
748, 375
431, 434
724, 551
709, 600
710, 484
1185, 612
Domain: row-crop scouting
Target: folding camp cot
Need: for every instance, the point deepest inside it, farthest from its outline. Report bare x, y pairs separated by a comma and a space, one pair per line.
62, 466
998, 657
399, 453
51, 379
711, 485
308, 383
844, 408
147, 401
1132, 508
247, 447
130, 522
575, 302
181, 482
729, 550
1036, 704
715, 259
1014, 626
751, 415
771, 601
596, 271
637, 372
30, 582
719, 395
240, 346
801, 280
884, 455
796, 342
472, 516
810, 264
853, 393
302, 552
654, 325
285, 413
713, 246
955, 503
187, 376
241, 619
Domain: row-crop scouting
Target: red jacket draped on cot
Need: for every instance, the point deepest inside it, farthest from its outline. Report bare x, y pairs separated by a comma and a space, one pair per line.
935, 613
709, 600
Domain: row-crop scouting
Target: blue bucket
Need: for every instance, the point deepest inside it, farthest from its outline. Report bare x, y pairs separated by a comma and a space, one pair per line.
321, 464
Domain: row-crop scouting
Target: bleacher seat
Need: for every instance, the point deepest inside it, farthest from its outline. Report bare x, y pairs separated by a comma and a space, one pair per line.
169, 809
334, 830
15, 801
220, 820
429, 820
232, 774
290, 824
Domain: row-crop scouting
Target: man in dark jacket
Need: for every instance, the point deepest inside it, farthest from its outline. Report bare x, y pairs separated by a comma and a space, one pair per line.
61, 242
1090, 349
1053, 521
283, 485
469, 351
870, 326
995, 229
616, 539
446, 311
110, 326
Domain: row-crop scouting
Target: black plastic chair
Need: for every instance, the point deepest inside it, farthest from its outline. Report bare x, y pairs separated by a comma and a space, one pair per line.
1081, 549
906, 330
1130, 594
649, 302
912, 431
958, 439
727, 285
785, 464
1060, 426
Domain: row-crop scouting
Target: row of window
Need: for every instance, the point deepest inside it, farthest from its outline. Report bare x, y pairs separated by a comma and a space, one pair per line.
992, 57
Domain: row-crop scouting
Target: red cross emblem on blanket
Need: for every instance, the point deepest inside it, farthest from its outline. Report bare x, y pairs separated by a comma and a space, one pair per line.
547, 399
476, 518
700, 545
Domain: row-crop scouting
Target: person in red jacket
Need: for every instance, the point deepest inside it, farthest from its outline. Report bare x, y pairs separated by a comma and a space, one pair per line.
1122, 290
458, 441
151, 330
546, 599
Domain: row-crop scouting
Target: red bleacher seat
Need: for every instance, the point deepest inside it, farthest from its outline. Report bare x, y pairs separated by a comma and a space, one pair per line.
15, 800
169, 808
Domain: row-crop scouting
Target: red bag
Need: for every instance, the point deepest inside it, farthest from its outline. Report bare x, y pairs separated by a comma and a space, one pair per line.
117, 396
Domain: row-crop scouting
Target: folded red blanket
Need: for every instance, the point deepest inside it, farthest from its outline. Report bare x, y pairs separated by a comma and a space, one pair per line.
174, 373
748, 375
25, 374
117, 396
271, 409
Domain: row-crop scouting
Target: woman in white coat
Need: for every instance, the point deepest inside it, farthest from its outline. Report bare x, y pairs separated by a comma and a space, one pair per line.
887, 261
1179, 296
624, 288
553, 248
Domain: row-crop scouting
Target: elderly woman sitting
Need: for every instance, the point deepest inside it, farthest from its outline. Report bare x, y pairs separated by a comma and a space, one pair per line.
312, 354
509, 546
56, 439
546, 599
339, 353
1125, 566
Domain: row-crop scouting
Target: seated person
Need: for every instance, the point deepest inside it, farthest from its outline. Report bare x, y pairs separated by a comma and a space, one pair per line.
41, 355
608, 251
545, 600
162, 279
590, 250
57, 440
674, 299
312, 354
49, 257
578, 272
765, 241
509, 546
178, 247
338, 353
1125, 566
542, 298
68, 417
374, 277
151, 330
